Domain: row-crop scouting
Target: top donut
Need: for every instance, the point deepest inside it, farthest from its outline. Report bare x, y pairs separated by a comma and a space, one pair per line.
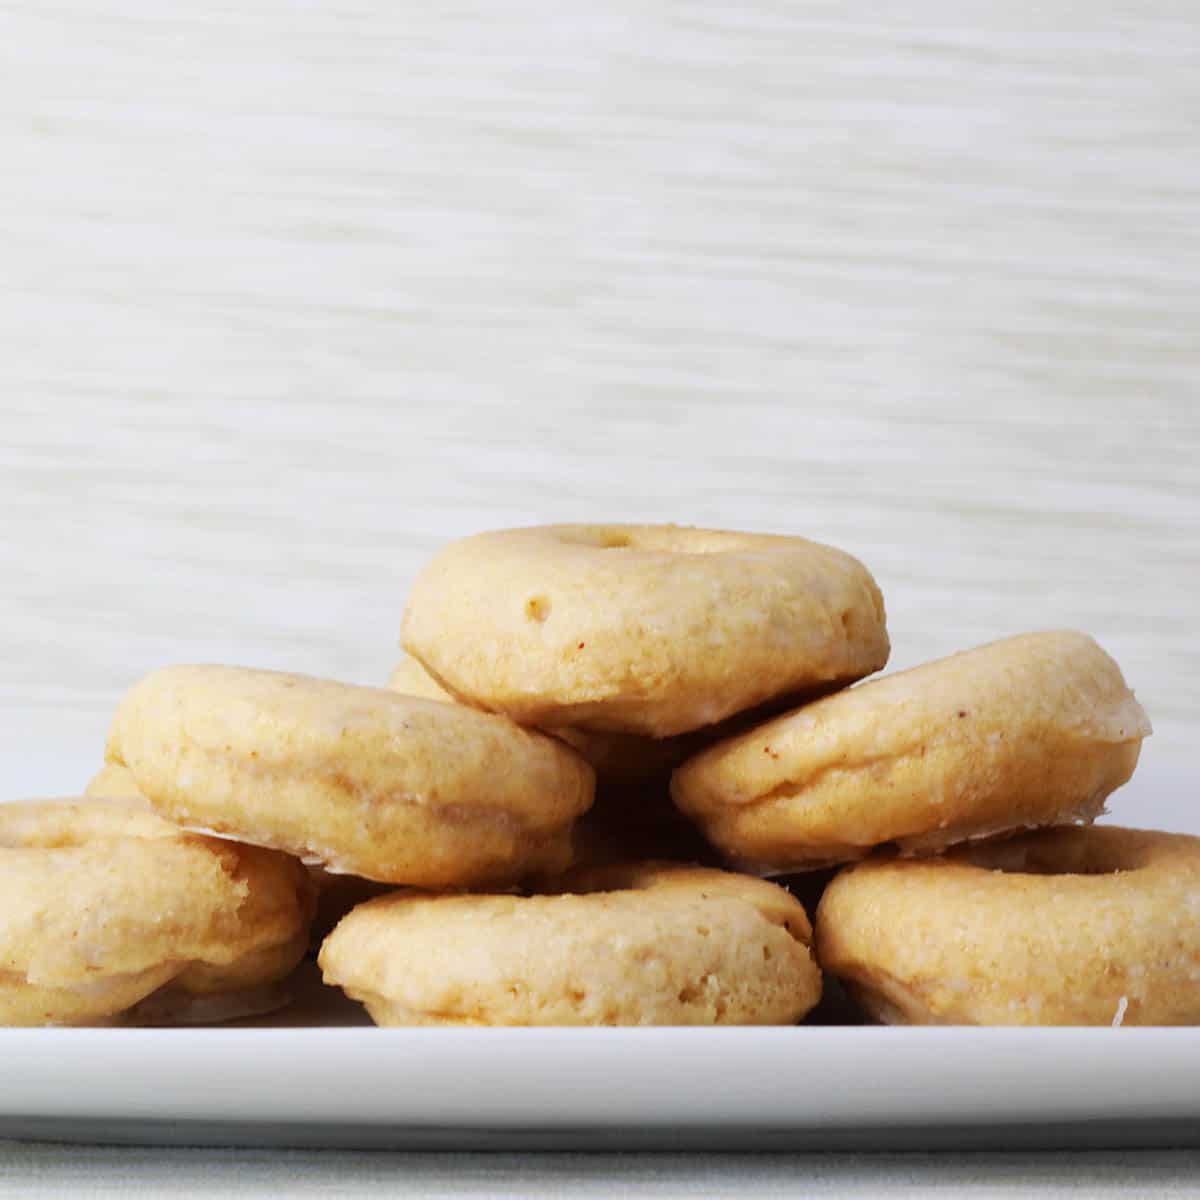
648, 629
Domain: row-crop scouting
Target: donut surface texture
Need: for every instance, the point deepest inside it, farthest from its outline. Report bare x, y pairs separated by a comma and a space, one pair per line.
643, 629
361, 780
112, 914
1030, 731
1068, 926
631, 945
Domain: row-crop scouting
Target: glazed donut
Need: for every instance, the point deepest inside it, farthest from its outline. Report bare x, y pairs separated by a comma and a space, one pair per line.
112, 914
644, 629
633, 945
1068, 926
361, 780
1034, 730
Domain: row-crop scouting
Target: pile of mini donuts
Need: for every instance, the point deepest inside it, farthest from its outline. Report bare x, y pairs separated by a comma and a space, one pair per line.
591, 794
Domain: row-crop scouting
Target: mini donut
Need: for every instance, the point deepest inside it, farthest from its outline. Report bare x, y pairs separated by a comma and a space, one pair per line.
631, 945
1033, 730
360, 780
112, 914
1069, 926
645, 629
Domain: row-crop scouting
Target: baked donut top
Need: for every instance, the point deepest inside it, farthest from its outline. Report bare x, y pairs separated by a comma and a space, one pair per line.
1019, 689
647, 944
1063, 926
363, 742
1031, 731
655, 630
363, 780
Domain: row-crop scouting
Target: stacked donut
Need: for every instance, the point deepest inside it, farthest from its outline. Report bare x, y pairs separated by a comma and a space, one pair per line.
563, 808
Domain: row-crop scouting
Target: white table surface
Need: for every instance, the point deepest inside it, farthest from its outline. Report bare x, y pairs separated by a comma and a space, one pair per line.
87, 1171
290, 293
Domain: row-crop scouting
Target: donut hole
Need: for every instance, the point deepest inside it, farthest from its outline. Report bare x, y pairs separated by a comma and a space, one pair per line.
537, 609
654, 539
1057, 857
599, 537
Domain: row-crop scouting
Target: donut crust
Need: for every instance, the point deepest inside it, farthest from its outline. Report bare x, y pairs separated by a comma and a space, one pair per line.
646, 944
645, 629
107, 905
362, 780
1030, 731
1068, 926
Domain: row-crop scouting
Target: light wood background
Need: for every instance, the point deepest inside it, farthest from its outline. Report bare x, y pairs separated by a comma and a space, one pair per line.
292, 292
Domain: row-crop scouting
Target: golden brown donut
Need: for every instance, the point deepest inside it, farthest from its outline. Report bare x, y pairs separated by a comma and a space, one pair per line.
1069, 926
362, 780
1033, 730
635, 945
643, 629
113, 914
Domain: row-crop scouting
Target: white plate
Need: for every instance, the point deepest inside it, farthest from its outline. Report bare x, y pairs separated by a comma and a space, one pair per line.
829, 1087
806, 1087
